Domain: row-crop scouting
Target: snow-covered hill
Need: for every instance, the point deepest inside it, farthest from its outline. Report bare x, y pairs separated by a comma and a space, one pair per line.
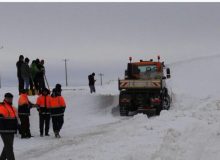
93, 129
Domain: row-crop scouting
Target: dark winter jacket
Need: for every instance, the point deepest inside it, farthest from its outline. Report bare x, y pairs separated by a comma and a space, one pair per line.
41, 72
8, 119
18, 64
91, 79
58, 105
24, 105
24, 110
34, 70
25, 71
44, 104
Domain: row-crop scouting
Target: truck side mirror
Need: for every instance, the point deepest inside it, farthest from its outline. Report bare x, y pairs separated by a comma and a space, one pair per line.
126, 74
168, 73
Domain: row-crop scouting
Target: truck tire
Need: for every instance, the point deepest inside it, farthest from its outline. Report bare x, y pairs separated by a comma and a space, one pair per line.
123, 111
166, 102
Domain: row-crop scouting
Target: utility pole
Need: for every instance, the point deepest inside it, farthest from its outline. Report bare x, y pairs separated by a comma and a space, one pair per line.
65, 60
101, 74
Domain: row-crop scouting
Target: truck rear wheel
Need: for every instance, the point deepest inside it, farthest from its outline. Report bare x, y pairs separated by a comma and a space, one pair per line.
123, 111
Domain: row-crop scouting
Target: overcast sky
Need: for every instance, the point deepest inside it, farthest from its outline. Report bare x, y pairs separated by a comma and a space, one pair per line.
99, 37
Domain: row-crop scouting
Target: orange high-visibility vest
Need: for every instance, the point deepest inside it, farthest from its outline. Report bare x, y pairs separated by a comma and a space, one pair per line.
7, 111
23, 99
57, 102
41, 101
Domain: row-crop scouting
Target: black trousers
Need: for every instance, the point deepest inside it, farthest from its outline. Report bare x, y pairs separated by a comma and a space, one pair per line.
41, 83
7, 152
31, 84
44, 121
36, 83
57, 123
92, 88
20, 84
25, 126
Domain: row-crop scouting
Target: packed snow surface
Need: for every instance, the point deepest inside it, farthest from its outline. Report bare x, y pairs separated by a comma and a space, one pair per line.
93, 129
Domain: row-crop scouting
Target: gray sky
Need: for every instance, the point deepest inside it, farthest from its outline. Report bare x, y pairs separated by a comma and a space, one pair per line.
99, 37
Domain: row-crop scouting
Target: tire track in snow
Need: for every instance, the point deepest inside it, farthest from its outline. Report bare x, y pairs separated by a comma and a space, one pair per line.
56, 145
105, 105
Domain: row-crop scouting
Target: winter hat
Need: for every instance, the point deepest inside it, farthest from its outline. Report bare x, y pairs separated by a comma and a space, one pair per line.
42, 61
54, 92
23, 91
37, 61
58, 87
27, 60
8, 95
45, 90
21, 57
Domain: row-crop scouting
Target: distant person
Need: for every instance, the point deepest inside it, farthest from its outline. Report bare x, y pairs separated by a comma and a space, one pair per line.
8, 126
58, 107
24, 106
26, 73
92, 80
44, 105
20, 79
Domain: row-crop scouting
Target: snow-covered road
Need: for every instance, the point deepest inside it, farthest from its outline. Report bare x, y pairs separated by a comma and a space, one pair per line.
93, 129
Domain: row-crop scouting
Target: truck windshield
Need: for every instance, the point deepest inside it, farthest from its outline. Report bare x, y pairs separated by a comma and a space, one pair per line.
149, 68
147, 72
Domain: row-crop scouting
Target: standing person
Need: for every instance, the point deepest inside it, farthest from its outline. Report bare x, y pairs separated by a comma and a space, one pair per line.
26, 73
58, 107
37, 75
34, 70
20, 79
8, 126
41, 75
92, 80
24, 106
44, 104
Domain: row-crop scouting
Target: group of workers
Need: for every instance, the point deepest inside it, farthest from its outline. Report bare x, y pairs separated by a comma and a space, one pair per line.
50, 106
30, 76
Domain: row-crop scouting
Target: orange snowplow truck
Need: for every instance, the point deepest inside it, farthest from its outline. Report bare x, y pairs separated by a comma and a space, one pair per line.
144, 88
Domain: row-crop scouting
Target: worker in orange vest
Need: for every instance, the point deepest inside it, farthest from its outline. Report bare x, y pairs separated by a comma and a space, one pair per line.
43, 106
58, 106
8, 126
24, 106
